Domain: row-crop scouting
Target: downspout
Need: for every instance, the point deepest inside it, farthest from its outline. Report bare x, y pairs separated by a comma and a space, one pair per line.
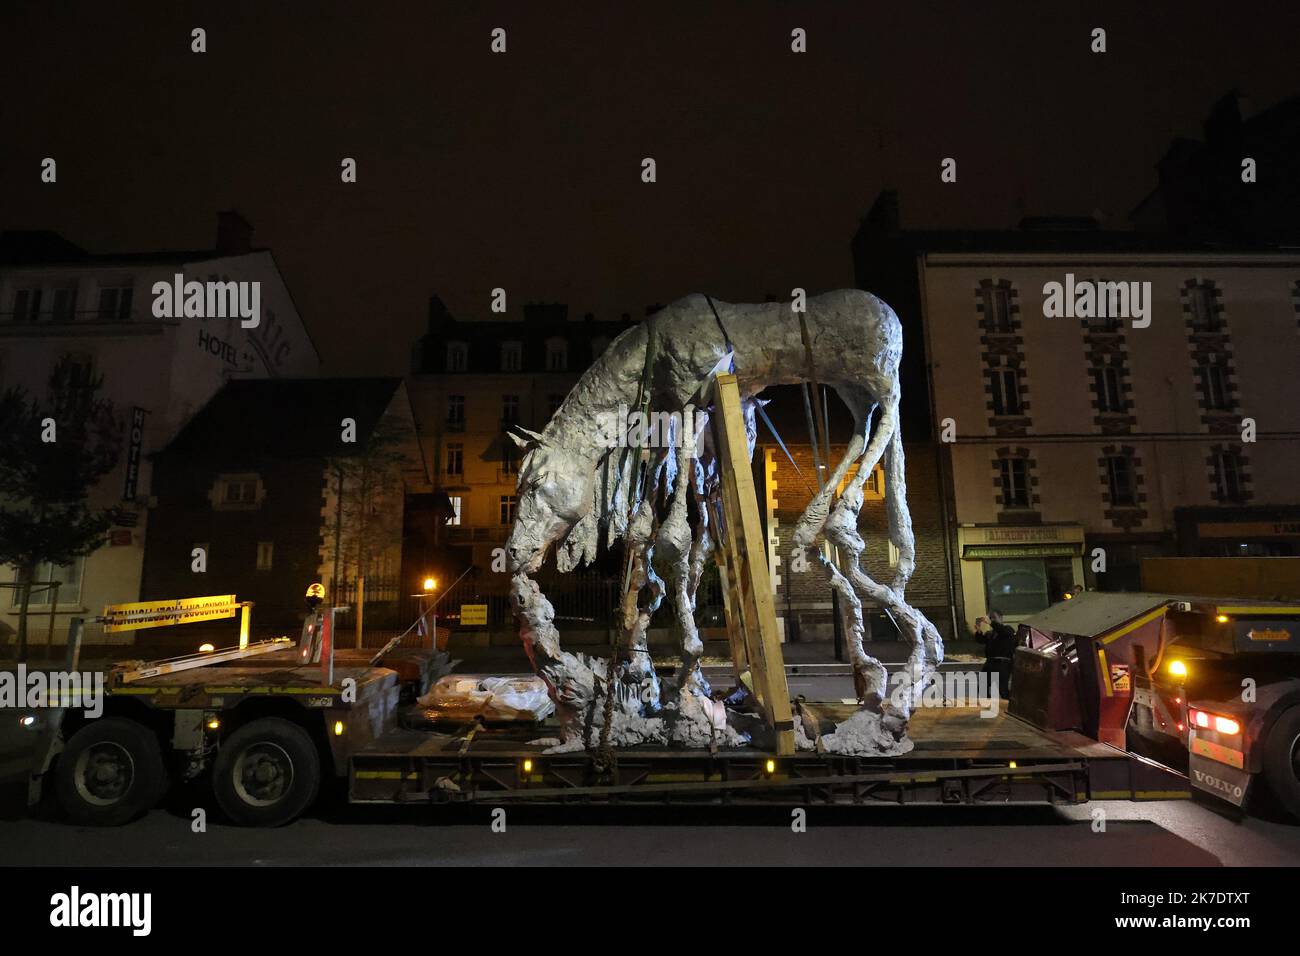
938, 445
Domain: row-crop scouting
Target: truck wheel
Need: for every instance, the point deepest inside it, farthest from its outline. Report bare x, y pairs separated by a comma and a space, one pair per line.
110, 772
1282, 760
266, 773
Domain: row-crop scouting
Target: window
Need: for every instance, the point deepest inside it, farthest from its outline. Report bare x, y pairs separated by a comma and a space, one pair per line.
553, 403
509, 458
81, 369
557, 355
455, 458
236, 493
512, 356
68, 576
997, 308
1119, 478
27, 305
1104, 323
508, 503
1214, 390
1205, 313
1015, 482
1227, 476
1015, 587
265, 552
455, 413
1106, 381
457, 356
240, 492
455, 509
64, 302
510, 409
115, 303
1006, 391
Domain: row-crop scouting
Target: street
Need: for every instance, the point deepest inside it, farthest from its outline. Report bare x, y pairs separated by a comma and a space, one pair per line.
1168, 833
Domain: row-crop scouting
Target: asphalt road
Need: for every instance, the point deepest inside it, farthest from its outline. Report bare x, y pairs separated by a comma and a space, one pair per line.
1173, 833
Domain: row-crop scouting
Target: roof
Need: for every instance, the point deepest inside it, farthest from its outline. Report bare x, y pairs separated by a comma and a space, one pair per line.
45, 248
1037, 241
252, 419
1096, 612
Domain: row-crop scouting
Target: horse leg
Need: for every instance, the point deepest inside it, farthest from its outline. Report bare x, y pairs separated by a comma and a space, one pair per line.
571, 678
903, 538
842, 529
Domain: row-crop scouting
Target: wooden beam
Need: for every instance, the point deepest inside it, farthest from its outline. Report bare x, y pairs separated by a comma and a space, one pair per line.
747, 564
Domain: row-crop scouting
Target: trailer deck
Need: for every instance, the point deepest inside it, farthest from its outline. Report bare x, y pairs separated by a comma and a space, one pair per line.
960, 757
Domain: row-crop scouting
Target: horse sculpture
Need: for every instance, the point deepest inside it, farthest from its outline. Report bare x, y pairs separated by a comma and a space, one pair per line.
574, 481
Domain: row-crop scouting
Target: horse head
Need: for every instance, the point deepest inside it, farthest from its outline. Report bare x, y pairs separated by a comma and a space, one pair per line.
554, 493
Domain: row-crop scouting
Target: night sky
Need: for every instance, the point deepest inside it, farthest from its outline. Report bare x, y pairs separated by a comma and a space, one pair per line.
523, 170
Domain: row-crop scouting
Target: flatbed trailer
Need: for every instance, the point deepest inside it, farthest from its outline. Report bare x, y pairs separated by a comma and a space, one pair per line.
266, 733
961, 756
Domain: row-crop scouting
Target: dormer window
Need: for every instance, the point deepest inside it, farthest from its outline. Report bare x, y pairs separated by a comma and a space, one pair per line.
457, 356
557, 355
115, 302
512, 356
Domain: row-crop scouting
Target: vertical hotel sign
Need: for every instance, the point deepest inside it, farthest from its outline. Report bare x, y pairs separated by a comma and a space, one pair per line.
135, 444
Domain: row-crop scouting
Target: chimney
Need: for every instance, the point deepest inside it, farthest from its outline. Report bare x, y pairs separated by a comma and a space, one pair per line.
438, 313
234, 234
884, 216
1223, 125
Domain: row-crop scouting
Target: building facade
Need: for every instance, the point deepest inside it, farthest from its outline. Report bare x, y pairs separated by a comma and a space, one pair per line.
58, 300
471, 381
277, 484
1099, 397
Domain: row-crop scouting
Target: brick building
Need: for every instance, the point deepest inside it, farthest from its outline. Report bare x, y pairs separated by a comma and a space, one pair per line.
803, 599
471, 381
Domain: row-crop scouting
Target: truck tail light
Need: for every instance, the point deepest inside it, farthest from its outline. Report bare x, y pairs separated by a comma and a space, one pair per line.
1221, 724
1226, 725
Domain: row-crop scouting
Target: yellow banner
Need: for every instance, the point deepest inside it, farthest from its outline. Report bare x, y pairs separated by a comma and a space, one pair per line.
473, 615
143, 614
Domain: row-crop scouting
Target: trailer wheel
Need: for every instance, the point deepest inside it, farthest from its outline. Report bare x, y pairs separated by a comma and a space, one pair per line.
110, 772
267, 773
1282, 760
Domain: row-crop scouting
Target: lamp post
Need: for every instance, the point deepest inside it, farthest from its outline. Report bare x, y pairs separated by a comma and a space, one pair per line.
430, 585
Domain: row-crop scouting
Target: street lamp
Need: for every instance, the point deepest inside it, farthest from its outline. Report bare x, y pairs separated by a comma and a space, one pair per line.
430, 585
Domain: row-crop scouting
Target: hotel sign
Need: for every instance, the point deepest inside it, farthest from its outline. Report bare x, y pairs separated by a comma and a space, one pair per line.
135, 445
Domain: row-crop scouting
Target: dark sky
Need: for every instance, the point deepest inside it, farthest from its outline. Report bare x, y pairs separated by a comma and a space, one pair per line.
523, 170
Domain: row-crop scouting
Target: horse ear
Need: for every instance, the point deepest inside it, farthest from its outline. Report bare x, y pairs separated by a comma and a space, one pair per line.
525, 444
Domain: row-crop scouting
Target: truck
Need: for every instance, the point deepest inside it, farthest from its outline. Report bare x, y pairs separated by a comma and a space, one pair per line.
1207, 685
266, 727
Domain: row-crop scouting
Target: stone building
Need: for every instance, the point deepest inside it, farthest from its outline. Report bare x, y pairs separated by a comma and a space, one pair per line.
1095, 394
58, 300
